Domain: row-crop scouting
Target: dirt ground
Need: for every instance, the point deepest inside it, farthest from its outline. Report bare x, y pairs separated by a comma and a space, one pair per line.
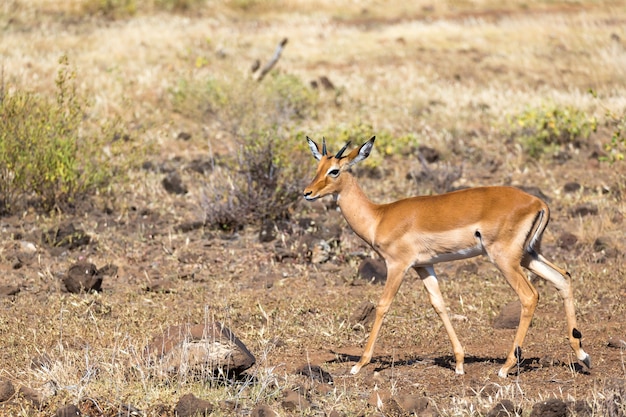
163, 268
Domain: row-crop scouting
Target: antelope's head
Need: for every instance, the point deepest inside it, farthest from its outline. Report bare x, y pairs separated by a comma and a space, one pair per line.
328, 178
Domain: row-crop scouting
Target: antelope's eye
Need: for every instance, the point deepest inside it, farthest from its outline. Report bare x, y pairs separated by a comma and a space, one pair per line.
333, 173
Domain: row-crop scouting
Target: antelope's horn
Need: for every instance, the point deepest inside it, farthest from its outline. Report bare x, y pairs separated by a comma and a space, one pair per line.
323, 146
342, 150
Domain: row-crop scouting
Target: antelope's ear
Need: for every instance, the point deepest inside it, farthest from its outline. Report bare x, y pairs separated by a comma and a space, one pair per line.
314, 149
363, 152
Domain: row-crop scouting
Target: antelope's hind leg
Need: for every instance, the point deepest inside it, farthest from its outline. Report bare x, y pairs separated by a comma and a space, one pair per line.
529, 298
560, 278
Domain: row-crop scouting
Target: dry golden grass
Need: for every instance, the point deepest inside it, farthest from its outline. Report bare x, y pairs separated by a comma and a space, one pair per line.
450, 74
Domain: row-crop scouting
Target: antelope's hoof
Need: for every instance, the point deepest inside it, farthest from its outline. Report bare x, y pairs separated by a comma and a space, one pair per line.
587, 361
355, 369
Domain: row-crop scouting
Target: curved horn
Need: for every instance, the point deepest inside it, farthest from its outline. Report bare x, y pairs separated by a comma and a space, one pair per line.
342, 150
323, 146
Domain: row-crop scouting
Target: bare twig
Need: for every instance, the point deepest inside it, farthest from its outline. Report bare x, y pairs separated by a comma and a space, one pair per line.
268, 67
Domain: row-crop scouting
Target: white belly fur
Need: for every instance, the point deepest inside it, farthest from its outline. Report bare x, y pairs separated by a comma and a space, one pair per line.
453, 256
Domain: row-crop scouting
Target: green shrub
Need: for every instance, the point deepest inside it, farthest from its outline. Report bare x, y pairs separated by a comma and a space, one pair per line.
242, 105
543, 129
261, 179
112, 9
386, 144
43, 159
616, 146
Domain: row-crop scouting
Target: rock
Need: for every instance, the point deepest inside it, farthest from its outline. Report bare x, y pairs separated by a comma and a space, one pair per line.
412, 404
82, 277
66, 236
364, 314
7, 390
605, 245
536, 191
295, 401
320, 252
68, 411
9, 290
430, 154
571, 187
202, 350
183, 136
189, 405
263, 410
504, 408
549, 408
267, 233
567, 241
163, 286
581, 409
617, 343
316, 373
582, 210
34, 396
549, 361
373, 270
326, 83
173, 184
509, 316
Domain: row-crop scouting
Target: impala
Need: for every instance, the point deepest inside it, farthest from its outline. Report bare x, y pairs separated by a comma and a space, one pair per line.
504, 223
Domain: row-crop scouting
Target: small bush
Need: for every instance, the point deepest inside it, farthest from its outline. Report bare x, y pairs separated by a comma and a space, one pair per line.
242, 105
615, 147
540, 130
43, 158
262, 184
262, 178
112, 9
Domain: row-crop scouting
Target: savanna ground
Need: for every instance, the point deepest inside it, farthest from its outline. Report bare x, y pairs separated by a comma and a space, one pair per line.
478, 82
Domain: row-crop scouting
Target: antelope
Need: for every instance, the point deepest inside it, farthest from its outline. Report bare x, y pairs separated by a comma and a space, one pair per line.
504, 223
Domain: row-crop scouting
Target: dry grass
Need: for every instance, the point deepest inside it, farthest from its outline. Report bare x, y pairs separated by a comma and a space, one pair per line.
450, 74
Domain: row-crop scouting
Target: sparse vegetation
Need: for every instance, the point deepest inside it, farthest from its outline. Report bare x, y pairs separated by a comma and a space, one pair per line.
543, 129
44, 158
616, 146
262, 182
262, 177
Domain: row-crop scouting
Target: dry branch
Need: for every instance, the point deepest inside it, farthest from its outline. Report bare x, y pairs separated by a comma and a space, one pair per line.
268, 67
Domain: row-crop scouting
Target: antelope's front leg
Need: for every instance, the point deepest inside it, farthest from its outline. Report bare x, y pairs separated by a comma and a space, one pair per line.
427, 274
395, 274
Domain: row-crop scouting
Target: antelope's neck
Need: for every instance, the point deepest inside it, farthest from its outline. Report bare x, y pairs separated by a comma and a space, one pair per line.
360, 213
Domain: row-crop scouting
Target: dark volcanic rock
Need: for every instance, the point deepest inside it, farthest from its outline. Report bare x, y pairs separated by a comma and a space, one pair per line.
504, 408
316, 373
189, 405
373, 270
582, 210
173, 184
295, 401
263, 410
7, 390
68, 411
549, 408
567, 241
364, 314
83, 277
